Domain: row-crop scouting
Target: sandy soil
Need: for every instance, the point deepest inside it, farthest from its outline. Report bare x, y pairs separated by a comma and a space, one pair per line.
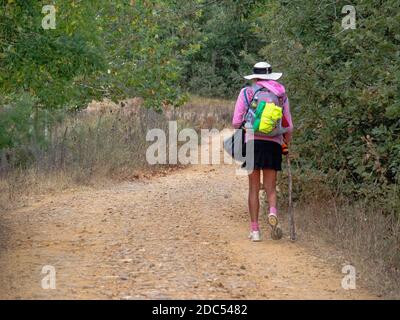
183, 235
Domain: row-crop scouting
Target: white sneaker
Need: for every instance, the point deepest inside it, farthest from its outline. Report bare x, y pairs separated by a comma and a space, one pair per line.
273, 220
255, 236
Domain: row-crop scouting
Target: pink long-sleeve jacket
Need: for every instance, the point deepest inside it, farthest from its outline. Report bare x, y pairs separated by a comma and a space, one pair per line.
241, 108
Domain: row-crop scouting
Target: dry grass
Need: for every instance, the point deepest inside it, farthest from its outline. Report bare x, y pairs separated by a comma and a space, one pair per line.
204, 113
369, 239
82, 150
105, 141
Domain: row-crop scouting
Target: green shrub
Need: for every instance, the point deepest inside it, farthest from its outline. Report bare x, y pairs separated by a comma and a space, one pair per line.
343, 86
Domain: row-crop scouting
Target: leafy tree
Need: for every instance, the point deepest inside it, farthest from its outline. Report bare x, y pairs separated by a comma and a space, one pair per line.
227, 47
113, 49
343, 85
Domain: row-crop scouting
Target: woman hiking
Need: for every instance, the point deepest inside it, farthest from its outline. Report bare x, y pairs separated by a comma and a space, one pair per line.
267, 148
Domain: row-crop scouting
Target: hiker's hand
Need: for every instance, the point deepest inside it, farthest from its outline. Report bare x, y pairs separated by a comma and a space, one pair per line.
285, 149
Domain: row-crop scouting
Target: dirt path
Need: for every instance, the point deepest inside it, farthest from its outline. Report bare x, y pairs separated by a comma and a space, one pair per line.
179, 236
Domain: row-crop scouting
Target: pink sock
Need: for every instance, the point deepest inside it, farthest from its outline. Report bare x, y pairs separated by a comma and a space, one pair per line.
254, 226
273, 210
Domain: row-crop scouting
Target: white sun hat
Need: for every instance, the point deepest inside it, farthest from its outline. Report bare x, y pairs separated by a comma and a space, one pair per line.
263, 70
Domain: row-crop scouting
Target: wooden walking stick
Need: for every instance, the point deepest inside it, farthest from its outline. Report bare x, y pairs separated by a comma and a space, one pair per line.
292, 228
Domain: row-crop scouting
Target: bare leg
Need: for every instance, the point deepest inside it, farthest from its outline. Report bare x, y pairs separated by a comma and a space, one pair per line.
269, 182
254, 189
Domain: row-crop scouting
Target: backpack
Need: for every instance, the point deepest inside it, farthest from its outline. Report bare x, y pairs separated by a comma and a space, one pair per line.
264, 113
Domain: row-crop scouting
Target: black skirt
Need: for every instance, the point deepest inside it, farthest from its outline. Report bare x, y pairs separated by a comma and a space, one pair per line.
267, 155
